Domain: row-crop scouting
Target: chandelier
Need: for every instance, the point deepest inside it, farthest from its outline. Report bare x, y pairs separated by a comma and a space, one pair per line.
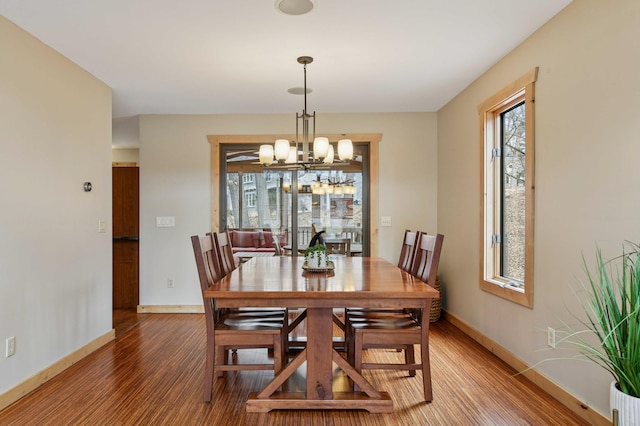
337, 186
283, 155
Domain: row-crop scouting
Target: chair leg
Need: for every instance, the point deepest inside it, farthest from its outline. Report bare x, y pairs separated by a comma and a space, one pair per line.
410, 358
208, 371
221, 359
356, 354
348, 341
278, 354
286, 331
426, 367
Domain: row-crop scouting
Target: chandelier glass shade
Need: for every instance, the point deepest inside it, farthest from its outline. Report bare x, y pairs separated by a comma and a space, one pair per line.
299, 155
327, 186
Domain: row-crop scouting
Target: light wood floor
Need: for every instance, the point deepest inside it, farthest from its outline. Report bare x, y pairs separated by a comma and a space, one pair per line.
152, 375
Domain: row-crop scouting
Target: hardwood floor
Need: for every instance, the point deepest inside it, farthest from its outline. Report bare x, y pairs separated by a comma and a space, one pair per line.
152, 375
125, 319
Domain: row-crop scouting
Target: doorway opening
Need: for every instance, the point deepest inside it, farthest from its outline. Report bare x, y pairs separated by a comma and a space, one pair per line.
287, 203
126, 268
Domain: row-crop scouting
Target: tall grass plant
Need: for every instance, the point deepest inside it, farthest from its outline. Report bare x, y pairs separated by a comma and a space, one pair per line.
610, 299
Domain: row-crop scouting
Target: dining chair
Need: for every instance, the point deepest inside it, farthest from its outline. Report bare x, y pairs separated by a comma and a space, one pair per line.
405, 262
227, 263
399, 330
340, 246
232, 329
226, 258
407, 250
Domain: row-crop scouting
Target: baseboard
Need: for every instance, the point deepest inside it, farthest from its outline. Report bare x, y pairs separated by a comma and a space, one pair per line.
170, 309
564, 397
12, 395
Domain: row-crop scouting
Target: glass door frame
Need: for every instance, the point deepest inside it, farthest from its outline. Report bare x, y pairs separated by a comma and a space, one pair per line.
372, 140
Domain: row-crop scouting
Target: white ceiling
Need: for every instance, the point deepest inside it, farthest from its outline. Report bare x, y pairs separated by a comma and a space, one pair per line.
239, 56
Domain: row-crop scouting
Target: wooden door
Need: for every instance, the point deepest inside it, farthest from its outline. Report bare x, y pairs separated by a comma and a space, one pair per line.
126, 215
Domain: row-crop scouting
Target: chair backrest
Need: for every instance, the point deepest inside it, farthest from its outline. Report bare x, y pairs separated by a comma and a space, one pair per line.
339, 246
222, 242
408, 250
206, 260
427, 257
206, 263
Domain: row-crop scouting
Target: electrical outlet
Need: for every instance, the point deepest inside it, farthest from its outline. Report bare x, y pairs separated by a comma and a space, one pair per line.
10, 347
169, 283
551, 337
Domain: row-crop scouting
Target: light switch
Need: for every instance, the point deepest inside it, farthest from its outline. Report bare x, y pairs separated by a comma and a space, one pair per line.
165, 221
102, 226
385, 221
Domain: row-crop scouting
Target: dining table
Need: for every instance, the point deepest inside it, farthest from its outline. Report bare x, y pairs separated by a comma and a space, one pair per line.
349, 282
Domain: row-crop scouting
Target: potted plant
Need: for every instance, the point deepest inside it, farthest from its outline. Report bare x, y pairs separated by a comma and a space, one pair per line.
610, 299
316, 257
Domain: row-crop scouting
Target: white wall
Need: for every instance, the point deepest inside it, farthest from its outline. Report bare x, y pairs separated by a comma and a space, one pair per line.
586, 184
55, 268
175, 180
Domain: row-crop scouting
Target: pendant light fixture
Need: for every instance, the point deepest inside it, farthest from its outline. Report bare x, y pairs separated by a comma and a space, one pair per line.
299, 155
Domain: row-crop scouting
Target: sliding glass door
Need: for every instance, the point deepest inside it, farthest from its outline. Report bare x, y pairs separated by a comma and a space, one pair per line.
295, 203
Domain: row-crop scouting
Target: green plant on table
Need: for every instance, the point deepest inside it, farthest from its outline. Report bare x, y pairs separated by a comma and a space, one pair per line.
318, 252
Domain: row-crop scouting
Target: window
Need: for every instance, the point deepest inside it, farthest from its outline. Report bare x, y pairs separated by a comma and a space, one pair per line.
507, 124
250, 199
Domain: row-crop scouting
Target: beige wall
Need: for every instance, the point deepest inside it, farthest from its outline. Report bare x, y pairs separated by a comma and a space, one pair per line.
175, 180
587, 150
125, 155
55, 268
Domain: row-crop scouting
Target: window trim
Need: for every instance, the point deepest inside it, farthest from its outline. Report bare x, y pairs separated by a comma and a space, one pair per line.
521, 89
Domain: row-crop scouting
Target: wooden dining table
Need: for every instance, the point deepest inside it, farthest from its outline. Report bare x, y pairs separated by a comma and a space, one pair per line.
281, 281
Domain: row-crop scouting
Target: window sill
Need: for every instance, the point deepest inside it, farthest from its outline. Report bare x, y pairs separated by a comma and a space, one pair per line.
508, 292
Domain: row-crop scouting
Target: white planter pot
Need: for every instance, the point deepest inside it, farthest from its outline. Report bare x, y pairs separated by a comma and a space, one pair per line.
315, 262
628, 406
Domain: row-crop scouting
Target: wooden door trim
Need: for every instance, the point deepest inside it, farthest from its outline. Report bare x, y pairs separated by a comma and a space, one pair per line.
373, 139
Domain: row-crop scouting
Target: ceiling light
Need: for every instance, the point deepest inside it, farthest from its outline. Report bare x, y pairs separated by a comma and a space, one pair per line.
295, 7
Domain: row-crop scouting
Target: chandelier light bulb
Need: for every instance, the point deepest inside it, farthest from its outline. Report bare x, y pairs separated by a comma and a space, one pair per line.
329, 158
320, 147
266, 155
281, 149
345, 149
293, 155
